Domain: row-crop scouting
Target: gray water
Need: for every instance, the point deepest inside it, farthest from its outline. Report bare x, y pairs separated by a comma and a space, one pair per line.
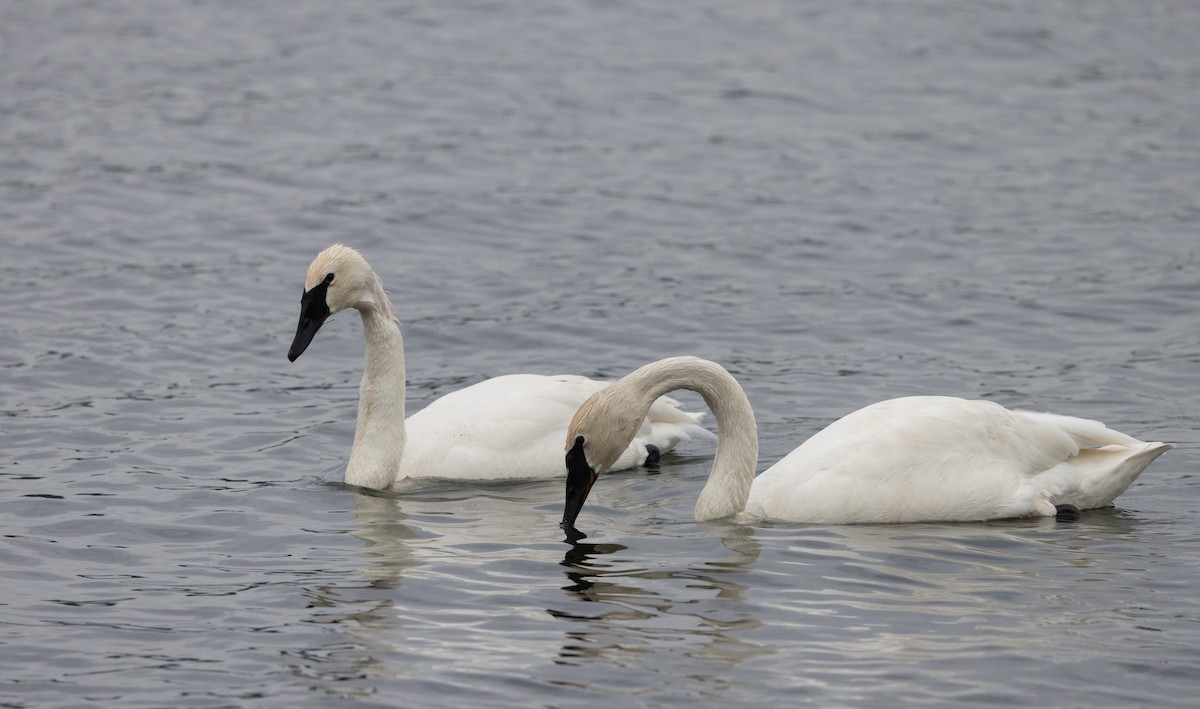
841, 202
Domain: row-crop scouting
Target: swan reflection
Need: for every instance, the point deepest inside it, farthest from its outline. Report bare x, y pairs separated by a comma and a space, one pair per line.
451, 583
933, 592
363, 612
638, 605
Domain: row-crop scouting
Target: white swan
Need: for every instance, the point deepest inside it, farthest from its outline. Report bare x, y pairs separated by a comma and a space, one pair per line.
504, 428
914, 459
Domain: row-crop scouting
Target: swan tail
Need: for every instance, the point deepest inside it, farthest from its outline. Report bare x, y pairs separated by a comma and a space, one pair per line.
666, 425
668, 435
1096, 476
1085, 432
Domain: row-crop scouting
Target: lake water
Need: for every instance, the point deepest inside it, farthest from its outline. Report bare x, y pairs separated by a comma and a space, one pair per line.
841, 202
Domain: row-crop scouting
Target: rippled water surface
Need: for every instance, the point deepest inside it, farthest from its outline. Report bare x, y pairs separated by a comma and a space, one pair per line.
842, 202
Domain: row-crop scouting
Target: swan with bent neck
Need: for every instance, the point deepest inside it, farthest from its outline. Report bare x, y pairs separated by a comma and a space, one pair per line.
507, 427
912, 459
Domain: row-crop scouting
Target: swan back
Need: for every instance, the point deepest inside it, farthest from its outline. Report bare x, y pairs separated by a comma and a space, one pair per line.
930, 458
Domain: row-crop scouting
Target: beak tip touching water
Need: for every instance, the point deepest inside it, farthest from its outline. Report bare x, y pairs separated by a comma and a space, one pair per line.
580, 478
572, 535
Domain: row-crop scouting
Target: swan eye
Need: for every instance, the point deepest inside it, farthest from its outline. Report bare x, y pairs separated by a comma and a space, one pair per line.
328, 279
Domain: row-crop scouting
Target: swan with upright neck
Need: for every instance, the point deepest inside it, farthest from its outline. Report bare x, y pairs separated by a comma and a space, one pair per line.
913, 459
508, 427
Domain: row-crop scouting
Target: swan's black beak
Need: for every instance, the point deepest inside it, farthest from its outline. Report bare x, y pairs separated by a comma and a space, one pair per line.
580, 478
313, 311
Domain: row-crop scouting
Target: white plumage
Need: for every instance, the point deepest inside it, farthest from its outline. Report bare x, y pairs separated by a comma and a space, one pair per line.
512, 427
914, 459
504, 428
938, 458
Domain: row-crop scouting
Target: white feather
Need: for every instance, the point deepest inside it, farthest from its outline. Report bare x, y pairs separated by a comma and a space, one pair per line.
914, 459
503, 428
513, 427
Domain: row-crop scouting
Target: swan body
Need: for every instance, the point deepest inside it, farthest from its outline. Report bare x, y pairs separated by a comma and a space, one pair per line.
512, 427
913, 459
508, 427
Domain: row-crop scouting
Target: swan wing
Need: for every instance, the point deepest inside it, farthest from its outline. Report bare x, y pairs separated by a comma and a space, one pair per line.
948, 459
514, 426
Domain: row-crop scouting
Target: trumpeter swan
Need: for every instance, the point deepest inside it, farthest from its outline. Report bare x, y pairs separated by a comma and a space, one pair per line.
913, 459
504, 428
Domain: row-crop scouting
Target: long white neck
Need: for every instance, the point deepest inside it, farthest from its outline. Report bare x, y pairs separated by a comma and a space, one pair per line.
379, 434
732, 473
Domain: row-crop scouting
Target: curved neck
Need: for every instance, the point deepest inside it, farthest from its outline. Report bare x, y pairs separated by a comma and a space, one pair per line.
732, 473
379, 434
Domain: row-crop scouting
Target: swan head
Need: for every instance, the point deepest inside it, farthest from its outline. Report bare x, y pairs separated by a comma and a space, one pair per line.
599, 433
338, 278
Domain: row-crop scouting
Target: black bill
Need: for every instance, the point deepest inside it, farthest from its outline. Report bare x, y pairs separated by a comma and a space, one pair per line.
580, 478
313, 311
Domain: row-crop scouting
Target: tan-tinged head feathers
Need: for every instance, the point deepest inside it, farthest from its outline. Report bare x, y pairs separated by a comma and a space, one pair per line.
332, 260
353, 284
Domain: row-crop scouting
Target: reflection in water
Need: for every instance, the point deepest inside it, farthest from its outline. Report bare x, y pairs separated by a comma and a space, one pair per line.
636, 609
578, 558
464, 581
879, 597
386, 539
364, 612
859, 609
